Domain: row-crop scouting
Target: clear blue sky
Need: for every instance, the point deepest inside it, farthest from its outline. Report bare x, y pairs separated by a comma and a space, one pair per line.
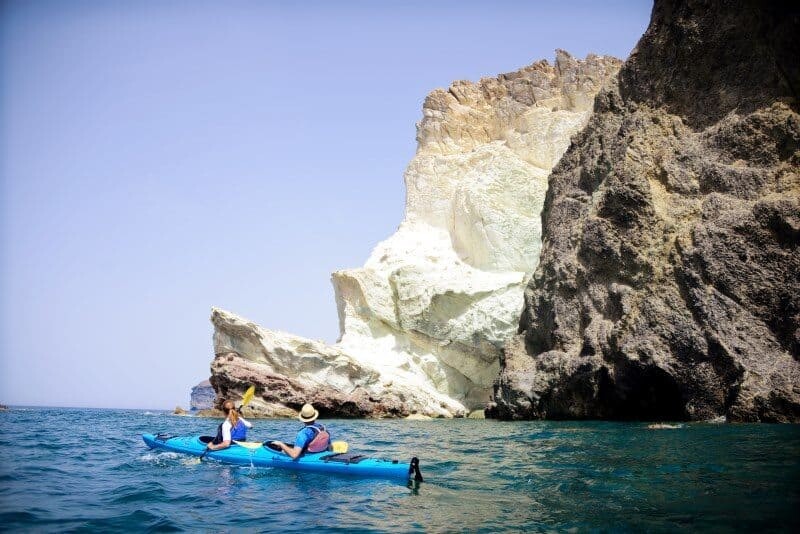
160, 158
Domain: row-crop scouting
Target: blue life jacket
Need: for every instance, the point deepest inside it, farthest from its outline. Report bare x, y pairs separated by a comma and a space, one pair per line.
239, 432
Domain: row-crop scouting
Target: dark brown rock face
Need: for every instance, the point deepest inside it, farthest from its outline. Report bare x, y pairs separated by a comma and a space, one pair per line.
669, 281
278, 395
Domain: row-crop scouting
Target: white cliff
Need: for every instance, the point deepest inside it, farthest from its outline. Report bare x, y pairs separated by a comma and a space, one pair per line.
423, 321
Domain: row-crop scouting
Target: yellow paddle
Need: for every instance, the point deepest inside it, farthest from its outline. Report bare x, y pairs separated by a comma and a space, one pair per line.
248, 396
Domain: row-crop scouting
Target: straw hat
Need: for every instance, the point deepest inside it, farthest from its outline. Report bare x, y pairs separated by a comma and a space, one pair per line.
308, 413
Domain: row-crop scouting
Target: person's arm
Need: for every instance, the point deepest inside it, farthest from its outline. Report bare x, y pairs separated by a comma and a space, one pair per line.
226, 438
247, 423
294, 452
299, 443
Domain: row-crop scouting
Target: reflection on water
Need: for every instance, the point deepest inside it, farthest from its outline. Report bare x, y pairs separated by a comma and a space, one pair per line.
479, 476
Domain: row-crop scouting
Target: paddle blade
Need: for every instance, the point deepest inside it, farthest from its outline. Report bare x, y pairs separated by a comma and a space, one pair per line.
339, 446
248, 395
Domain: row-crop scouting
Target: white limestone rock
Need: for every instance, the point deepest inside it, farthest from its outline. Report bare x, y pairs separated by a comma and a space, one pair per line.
430, 310
289, 371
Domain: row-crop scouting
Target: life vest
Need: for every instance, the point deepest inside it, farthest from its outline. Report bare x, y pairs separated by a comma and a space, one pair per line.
239, 432
321, 440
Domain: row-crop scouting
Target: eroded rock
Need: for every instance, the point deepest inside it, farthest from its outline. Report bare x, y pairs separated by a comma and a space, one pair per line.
289, 371
669, 281
202, 396
424, 320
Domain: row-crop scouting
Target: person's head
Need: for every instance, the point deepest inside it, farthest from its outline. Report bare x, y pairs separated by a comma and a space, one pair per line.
230, 412
308, 414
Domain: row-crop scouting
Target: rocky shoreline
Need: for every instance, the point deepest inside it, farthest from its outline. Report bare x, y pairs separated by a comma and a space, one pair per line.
658, 283
254, 414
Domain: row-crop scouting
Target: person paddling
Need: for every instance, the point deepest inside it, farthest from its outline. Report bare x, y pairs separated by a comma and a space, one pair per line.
311, 438
233, 428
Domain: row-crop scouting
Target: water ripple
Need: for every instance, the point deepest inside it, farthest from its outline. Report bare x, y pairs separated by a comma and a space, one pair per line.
480, 476
139, 493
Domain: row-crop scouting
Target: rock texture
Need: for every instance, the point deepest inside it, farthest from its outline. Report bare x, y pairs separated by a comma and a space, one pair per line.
289, 371
424, 321
202, 396
669, 281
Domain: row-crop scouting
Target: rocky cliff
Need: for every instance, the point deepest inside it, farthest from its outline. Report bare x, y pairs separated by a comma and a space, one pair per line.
423, 322
669, 280
202, 396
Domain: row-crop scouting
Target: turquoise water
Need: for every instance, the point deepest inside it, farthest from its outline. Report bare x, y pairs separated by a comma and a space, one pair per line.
88, 470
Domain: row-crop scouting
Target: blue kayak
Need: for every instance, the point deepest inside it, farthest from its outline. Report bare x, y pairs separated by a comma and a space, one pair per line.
261, 455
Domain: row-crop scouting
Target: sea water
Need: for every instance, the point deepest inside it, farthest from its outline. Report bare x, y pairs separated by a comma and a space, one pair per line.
88, 470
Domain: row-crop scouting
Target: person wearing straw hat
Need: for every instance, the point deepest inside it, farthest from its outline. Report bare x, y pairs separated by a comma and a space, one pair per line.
313, 437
